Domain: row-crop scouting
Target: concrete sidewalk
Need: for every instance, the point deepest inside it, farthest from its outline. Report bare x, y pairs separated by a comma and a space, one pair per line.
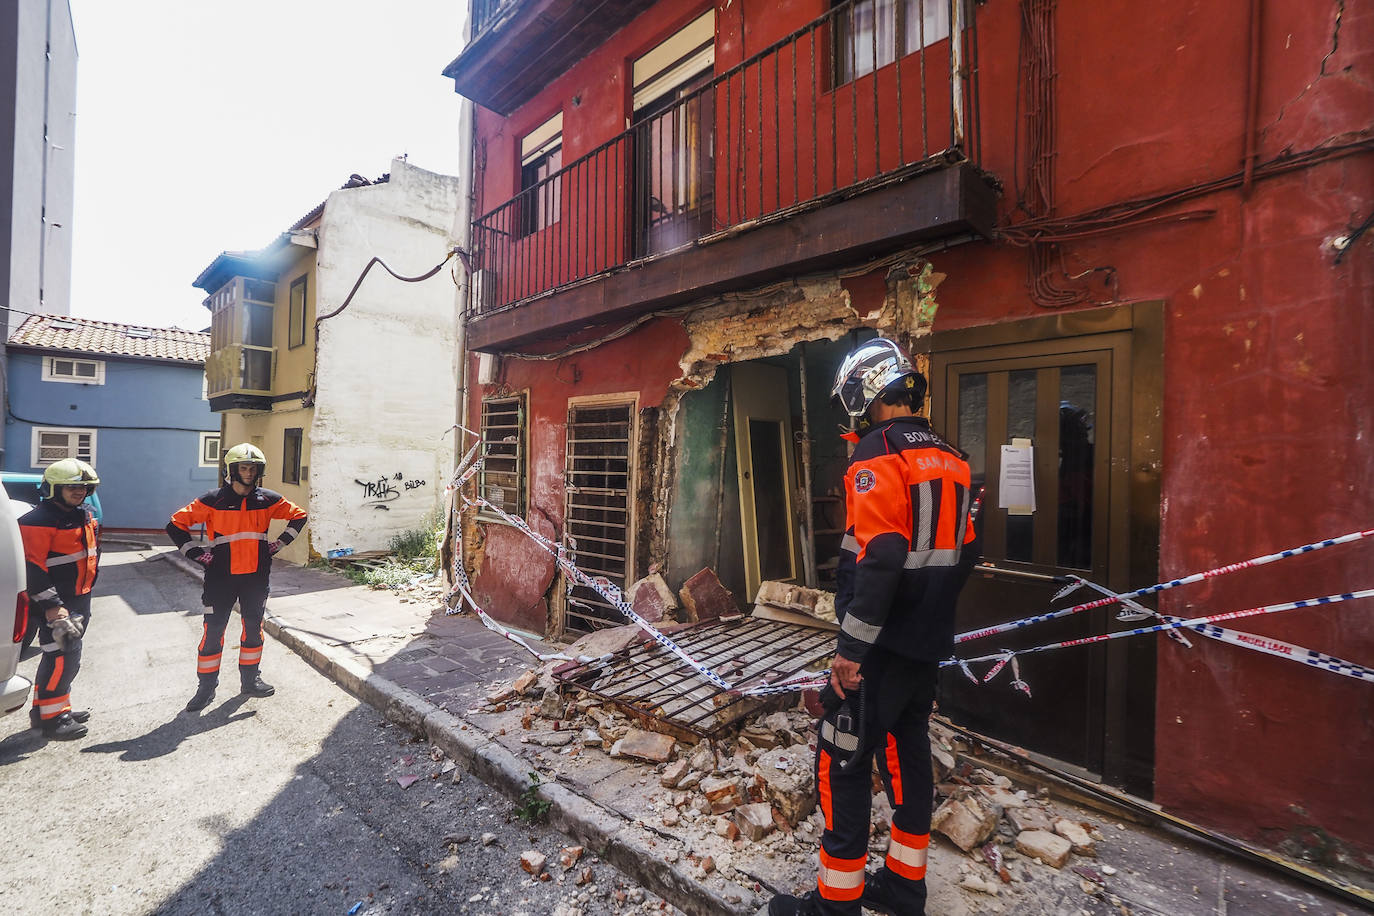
433, 674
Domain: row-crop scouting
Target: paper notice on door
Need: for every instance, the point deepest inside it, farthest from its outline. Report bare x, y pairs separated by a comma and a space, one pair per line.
1016, 489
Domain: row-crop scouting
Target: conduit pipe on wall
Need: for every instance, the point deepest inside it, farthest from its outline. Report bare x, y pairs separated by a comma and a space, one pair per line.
1251, 100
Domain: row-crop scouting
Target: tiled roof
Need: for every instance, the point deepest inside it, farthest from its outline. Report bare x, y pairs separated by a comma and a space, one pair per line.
84, 335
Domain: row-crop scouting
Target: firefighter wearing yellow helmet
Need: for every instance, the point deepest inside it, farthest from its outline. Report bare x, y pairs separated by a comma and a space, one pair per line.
61, 559
237, 557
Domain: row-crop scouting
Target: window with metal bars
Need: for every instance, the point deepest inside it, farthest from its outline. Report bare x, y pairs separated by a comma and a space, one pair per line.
599, 515
502, 478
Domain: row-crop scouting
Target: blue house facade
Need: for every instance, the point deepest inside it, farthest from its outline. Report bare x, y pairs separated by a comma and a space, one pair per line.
130, 400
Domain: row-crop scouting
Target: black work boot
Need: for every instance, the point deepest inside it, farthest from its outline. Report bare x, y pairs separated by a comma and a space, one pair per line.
36, 720
787, 905
64, 728
891, 895
254, 685
204, 694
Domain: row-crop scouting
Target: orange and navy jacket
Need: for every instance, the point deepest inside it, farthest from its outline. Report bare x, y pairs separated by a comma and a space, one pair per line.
236, 528
61, 552
909, 542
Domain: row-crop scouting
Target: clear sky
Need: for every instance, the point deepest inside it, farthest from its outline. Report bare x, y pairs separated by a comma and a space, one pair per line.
204, 127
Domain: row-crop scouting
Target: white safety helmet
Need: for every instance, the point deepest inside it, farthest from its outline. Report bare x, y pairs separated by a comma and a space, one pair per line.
874, 367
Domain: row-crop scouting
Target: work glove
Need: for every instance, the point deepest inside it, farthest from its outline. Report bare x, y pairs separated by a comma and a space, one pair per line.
273, 547
204, 558
65, 631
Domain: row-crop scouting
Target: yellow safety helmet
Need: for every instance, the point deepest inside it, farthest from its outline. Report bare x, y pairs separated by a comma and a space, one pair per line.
69, 472
244, 453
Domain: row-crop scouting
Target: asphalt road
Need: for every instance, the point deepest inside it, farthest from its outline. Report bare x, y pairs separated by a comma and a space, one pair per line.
290, 804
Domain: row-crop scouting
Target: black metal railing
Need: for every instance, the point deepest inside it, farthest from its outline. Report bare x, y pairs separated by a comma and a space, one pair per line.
484, 11
827, 111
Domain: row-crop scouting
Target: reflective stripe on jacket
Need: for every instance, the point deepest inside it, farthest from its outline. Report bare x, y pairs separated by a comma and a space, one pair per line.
235, 528
908, 545
61, 552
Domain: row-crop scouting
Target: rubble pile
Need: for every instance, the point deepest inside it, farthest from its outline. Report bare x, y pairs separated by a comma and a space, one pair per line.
745, 807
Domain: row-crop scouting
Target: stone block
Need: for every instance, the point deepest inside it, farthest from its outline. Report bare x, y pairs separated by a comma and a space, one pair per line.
533, 861
674, 773
644, 745
788, 779
1083, 843
704, 598
965, 821
652, 599
755, 820
1030, 817
1050, 848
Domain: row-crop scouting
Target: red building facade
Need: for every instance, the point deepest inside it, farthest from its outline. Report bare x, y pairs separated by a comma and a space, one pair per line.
1129, 235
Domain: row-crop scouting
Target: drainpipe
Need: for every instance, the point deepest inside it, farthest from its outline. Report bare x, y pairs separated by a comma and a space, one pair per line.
956, 69
462, 237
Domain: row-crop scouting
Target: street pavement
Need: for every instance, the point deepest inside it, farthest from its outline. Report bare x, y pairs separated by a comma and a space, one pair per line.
306, 802
430, 673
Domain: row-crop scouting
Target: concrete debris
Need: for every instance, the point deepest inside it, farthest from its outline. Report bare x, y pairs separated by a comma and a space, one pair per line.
755, 820
525, 681
447, 866
810, 601
1083, 844
651, 746
965, 820
981, 885
533, 861
488, 839
652, 599
787, 777
552, 739
590, 737
722, 793
1049, 848
672, 775
1030, 818
568, 855
704, 598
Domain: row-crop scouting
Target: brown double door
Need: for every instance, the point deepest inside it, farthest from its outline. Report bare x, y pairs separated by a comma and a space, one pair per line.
1076, 400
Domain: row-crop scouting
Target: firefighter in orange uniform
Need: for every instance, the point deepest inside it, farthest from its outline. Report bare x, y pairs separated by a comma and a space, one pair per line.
909, 546
237, 564
62, 558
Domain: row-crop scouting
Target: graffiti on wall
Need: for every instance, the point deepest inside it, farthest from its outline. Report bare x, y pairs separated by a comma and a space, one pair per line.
387, 488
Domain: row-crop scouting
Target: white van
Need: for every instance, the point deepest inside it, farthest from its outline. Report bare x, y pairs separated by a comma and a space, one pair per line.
14, 611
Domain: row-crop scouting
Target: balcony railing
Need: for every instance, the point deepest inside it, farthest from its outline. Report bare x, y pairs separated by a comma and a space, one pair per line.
484, 11
835, 108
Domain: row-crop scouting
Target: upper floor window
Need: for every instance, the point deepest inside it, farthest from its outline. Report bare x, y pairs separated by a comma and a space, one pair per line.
62, 369
541, 155
870, 34
51, 444
296, 333
209, 450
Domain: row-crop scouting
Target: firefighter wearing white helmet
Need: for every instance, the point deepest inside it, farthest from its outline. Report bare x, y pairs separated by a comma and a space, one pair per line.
238, 563
61, 559
909, 546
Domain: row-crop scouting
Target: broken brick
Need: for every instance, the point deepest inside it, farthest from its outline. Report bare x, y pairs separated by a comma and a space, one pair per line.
755, 820
644, 745
704, 598
722, 794
1050, 848
1083, 844
652, 599
533, 861
965, 821
674, 773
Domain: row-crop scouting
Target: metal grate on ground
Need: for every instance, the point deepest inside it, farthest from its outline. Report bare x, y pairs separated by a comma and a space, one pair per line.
663, 692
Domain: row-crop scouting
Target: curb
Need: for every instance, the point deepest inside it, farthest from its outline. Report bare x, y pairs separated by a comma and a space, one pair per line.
615, 838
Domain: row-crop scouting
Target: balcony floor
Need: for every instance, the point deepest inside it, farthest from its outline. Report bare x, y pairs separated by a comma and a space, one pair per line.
946, 203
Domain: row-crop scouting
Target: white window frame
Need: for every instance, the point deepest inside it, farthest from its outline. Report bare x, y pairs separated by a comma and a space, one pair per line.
205, 438
36, 437
50, 373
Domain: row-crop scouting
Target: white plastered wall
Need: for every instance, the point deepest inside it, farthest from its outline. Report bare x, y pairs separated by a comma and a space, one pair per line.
385, 392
